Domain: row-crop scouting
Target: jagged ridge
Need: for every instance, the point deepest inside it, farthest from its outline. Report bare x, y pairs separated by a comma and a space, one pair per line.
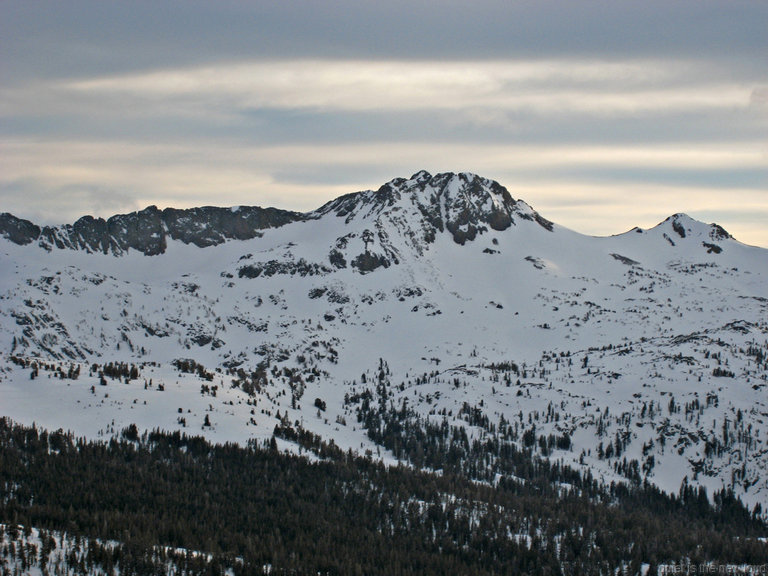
463, 204
148, 230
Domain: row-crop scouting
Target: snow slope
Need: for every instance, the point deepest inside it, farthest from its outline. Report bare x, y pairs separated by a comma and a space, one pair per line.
653, 342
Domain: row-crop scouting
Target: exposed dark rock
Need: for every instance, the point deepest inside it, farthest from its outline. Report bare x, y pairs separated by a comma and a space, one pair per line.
209, 226
367, 262
543, 222
472, 204
202, 339
336, 297
17, 230
148, 230
679, 228
741, 326
718, 233
462, 229
273, 267
92, 234
408, 292
463, 204
625, 260
538, 263
142, 231
337, 259
316, 293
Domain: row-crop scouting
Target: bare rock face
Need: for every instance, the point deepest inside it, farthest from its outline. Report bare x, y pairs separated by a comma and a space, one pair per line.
465, 205
18, 231
148, 230
209, 226
367, 262
420, 207
415, 212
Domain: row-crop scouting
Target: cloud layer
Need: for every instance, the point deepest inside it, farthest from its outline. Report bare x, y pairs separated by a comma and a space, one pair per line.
641, 112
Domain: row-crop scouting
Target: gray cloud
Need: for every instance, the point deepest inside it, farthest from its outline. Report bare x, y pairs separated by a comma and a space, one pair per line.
46, 204
110, 107
92, 37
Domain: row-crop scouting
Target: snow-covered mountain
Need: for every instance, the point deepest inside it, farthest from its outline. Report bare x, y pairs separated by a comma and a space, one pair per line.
440, 299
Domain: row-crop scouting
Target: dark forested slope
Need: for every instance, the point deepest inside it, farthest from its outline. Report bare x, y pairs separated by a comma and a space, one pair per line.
254, 507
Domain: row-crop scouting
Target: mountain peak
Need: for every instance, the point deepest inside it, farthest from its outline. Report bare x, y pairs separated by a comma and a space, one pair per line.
421, 206
680, 229
685, 227
371, 296
464, 204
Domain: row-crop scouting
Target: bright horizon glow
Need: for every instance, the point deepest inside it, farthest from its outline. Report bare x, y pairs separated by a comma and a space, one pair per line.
590, 87
619, 120
183, 180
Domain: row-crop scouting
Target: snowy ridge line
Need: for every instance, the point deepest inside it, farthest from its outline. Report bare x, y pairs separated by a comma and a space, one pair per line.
647, 349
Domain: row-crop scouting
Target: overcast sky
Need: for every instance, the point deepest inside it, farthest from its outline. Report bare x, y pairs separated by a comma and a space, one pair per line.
603, 115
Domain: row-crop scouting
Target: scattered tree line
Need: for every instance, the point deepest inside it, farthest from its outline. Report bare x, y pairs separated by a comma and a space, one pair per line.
501, 451
190, 366
247, 508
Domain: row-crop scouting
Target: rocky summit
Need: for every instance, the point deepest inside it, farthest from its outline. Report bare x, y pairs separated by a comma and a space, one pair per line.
148, 230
